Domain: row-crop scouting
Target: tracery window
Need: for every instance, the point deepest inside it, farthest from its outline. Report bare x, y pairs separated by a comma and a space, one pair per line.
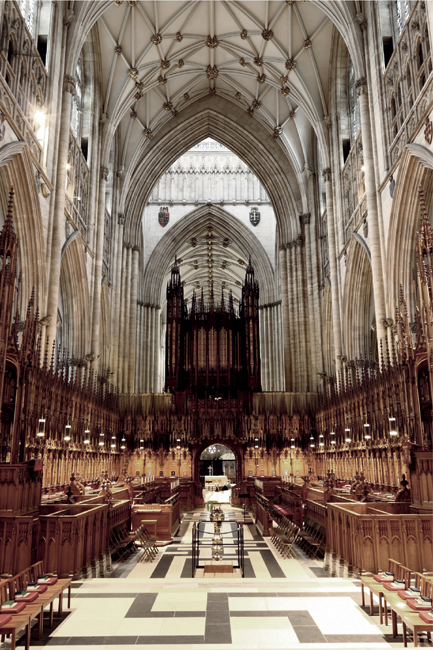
76, 100
355, 122
402, 10
27, 8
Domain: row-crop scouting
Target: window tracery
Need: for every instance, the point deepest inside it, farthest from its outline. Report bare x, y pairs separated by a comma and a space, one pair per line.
76, 101
27, 8
355, 124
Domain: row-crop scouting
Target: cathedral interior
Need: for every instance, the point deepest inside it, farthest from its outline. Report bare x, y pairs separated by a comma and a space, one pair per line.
216, 324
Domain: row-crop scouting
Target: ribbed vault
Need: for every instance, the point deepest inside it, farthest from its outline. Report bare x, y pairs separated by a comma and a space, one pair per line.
195, 225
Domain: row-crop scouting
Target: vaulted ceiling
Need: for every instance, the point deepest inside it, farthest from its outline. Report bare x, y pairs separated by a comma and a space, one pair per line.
271, 58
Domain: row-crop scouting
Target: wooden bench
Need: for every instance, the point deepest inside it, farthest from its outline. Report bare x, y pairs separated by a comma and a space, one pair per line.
11, 625
57, 589
35, 603
409, 610
376, 587
27, 612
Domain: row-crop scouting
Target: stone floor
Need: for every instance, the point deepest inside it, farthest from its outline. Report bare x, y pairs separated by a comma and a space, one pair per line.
289, 603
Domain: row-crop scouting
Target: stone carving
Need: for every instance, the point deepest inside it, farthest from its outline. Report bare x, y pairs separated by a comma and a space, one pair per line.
267, 34
69, 84
291, 64
211, 72
156, 39
212, 41
327, 175
244, 34
361, 86
403, 495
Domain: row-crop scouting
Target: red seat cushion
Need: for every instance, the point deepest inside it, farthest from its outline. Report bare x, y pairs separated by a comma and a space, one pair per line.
391, 588
417, 606
40, 589
5, 618
16, 609
50, 581
404, 595
383, 579
32, 596
426, 617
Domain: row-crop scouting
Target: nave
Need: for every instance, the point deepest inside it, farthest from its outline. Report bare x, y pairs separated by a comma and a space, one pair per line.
280, 603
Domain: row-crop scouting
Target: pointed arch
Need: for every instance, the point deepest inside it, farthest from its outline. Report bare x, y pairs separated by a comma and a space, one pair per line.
358, 303
224, 122
162, 257
415, 169
17, 171
75, 300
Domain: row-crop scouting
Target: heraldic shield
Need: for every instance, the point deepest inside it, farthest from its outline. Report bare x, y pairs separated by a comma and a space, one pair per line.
255, 216
163, 217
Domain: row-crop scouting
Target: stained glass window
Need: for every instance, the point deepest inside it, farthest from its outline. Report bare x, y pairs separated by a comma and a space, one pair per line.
355, 123
27, 8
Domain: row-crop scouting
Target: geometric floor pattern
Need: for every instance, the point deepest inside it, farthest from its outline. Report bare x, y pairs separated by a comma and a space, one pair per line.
280, 603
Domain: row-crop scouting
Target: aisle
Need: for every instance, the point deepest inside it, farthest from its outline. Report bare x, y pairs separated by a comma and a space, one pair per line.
279, 604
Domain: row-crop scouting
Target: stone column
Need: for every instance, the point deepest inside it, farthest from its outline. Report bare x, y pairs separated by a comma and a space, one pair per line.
297, 331
126, 318
58, 232
117, 295
336, 326
263, 352
280, 351
149, 347
138, 339
285, 318
99, 254
133, 319
156, 340
312, 323
121, 317
373, 219
146, 310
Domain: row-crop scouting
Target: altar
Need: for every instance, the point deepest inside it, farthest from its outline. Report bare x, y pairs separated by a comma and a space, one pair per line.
213, 481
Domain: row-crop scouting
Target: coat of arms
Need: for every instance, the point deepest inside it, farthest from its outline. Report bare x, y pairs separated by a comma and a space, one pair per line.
163, 217
428, 135
255, 216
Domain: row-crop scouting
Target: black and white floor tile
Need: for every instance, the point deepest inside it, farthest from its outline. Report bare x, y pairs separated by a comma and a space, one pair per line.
280, 603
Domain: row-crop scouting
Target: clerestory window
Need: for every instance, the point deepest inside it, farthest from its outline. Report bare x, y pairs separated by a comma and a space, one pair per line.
27, 8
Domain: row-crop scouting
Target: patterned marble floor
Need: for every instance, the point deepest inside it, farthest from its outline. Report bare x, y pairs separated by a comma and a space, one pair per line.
288, 603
